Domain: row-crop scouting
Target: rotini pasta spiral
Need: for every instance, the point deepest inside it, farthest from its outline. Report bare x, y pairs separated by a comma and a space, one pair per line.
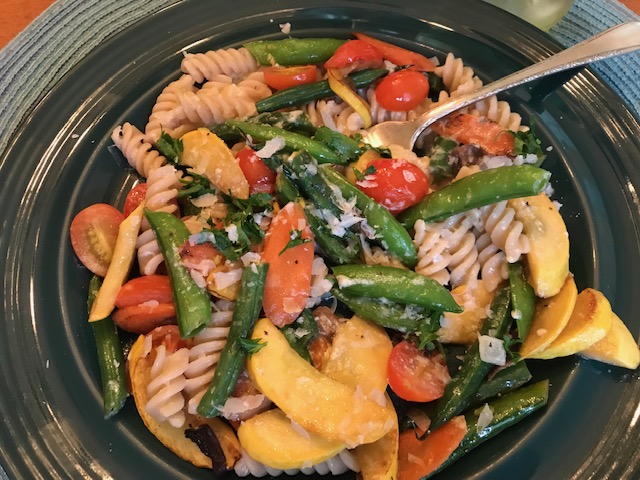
493, 262
167, 101
136, 148
498, 111
458, 78
230, 61
342, 462
165, 387
505, 231
254, 86
162, 190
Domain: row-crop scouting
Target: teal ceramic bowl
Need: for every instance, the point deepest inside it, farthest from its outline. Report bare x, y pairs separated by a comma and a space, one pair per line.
58, 163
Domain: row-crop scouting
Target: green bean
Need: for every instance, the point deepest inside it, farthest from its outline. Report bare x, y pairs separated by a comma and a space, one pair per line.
297, 121
392, 235
476, 190
291, 97
345, 146
193, 306
505, 379
293, 51
468, 379
233, 355
507, 411
293, 141
384, 313
395, 284
286, 191
338, 251
523, 299
110, 358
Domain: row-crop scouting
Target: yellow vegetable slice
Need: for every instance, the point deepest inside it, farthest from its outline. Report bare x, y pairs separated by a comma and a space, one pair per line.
351, 98
358, 356
379, 460
173, 438
618, 347
462, 328
550, 318
121, 261
271, 439
313, 400
548, 258
209, 156
589, 323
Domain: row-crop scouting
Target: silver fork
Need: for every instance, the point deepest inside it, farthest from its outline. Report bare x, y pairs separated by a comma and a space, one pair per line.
617, 40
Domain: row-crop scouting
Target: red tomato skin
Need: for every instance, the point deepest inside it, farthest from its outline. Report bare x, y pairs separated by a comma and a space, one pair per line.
134, 198
398, 55
356, 55
280, 78
414, 376
142, 319
402, 90
145, 289
260, 177
396, 184
97, 220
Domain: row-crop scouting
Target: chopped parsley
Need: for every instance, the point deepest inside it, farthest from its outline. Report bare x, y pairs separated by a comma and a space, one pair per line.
360, 176
170, 147
250, 345
439, 165
295, 239
527, 143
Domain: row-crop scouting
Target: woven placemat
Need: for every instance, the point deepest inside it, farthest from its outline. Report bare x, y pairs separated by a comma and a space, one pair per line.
67, 31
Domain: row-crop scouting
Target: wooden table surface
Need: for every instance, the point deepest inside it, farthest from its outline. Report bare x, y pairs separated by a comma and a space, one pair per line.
15, 15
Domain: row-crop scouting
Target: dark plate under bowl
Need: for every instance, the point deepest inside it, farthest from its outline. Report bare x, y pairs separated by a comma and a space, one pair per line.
58, 163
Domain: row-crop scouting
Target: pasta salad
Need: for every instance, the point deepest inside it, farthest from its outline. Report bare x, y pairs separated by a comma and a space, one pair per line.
299, 295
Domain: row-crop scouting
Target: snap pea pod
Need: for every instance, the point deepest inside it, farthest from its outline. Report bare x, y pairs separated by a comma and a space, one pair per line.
388, 231
523, 299
395, 284
293, 51
293, 141
192, 303
110, 358
298, 122
506, 379
290, 97
467, 380
338, 251
233, 355
346, 146
476, 190
507, 411
384, 313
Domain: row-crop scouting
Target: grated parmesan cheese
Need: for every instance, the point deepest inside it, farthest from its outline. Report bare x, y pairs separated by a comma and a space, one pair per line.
492, 350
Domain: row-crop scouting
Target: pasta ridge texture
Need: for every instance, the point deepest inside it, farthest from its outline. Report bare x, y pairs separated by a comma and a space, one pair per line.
137, 149
167, 101
229, 61
165, 387
342, 462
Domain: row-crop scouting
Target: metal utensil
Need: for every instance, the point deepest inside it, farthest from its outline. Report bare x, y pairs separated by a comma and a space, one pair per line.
617, 40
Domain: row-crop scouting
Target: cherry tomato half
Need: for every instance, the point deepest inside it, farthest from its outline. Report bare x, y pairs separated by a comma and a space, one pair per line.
395, 184
147, 288
93, 233
260, 177
402, 90
134, 198
280, 78
414, 376
356, 55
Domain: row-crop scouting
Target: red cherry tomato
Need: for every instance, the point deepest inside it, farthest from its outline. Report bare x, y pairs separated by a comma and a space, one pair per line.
356, 55
414, 376
260, 177
147, 288
280, 78
143, 318
402, 91
93, 232
395, 184
134, 198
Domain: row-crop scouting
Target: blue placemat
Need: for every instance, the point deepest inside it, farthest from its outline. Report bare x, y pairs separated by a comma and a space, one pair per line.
53, 43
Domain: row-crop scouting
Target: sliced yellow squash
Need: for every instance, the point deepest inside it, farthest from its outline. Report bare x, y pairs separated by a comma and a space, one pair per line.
550, 318
548, 258
618, 347
462, 328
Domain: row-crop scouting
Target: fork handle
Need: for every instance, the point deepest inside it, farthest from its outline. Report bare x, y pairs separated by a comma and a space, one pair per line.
617, 40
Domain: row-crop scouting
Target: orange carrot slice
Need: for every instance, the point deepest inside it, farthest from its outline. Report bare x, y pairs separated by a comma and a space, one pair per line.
288, 282
418, 458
